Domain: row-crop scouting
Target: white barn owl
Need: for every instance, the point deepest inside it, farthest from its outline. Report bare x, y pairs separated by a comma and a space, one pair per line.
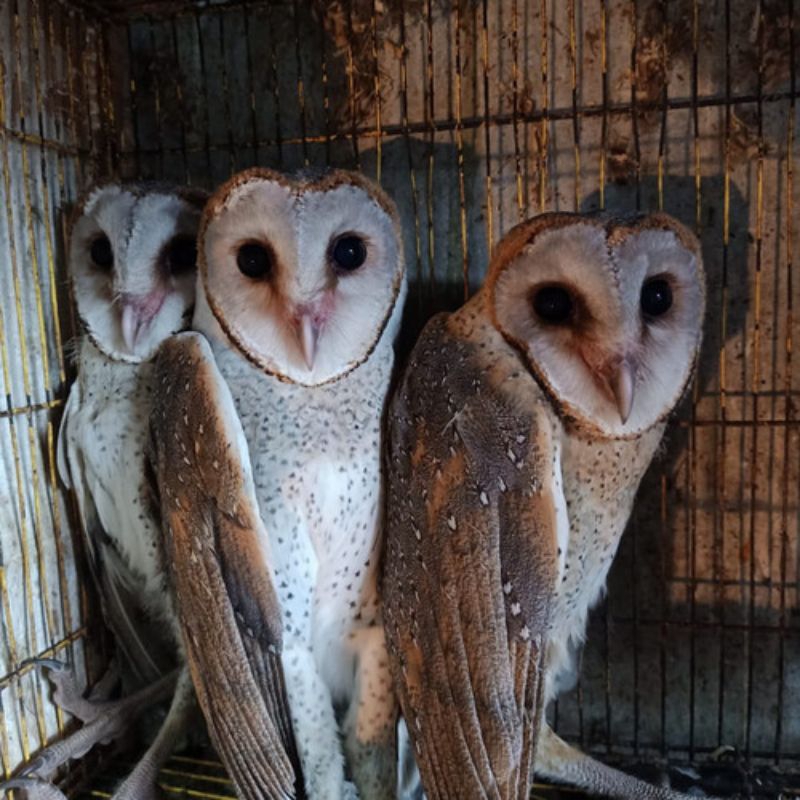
132, 263
301, 290
517, 441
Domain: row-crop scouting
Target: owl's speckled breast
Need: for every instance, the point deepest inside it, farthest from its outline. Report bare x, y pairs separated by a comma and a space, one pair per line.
316, 456
601, 477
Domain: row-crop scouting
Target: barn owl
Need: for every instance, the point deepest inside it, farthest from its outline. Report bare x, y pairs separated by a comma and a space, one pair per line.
300, 296
132, 263
518, 437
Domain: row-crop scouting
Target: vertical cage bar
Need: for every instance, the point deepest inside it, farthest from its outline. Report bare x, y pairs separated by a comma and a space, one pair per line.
721, 483
487, 126
576, 123
431, 126
542, 143
459, 134
788, 405
754, 393
301, 94
179, 96
404, 121
378, 89
351, 72
515, 108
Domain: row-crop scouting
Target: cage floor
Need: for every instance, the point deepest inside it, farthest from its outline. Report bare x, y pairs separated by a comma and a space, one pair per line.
200, 775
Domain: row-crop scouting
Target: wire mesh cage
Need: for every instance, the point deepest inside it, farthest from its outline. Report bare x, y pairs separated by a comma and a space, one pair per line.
473, 114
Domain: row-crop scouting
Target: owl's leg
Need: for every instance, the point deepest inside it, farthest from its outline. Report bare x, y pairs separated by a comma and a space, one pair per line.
141, 783
558, 761
108, 682
370, 724
68, 695
108, 721
314, 724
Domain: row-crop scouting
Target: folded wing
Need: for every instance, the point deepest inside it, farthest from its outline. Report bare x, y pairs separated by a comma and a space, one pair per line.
218, 558
470, 567
108, 515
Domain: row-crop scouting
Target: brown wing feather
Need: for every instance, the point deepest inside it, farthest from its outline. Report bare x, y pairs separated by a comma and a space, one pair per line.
470, 563
215, 551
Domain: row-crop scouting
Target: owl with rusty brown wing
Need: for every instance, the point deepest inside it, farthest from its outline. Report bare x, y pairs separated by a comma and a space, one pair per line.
518, 437
302, 281
218, 556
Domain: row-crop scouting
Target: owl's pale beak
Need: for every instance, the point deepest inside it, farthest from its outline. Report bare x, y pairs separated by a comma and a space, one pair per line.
621, 381
137, 314
308, 335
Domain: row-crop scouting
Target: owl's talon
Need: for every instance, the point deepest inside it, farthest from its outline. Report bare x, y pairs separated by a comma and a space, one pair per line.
32, 768
51, 664
109, 721
68, 695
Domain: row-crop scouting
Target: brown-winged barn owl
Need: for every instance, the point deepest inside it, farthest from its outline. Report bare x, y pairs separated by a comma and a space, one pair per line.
132, 264
518, 437
300, 296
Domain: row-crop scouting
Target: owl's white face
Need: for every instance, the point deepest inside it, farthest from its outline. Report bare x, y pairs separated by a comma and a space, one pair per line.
302, 274
609, 313
133, 265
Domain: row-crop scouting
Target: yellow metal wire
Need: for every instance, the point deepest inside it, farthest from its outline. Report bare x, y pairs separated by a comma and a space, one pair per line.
28, 151
542, 144
378, 88
487, 112
573, 60
412, 172
604, 78
430, 119
30, 623
521, 204
459, 134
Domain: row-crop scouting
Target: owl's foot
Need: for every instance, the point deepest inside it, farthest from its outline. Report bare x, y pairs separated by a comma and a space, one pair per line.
138, 786
141, 783
33, 789
560, 762
103, 720
68, 695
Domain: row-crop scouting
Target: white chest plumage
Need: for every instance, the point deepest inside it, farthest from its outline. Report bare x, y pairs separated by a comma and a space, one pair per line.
601, 477
316, 457
102, 454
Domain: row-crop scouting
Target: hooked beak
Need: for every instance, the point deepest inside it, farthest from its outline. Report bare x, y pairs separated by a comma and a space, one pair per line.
307, 331
620, 380
137, 314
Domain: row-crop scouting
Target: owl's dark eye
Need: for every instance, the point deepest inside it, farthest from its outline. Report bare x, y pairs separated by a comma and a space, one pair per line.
182, 255
553, 304
102, 253
349, 252
656, 297
255, 260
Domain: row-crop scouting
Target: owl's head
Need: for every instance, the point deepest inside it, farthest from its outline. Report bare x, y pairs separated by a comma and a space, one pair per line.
132, 262
303, 272
607, 310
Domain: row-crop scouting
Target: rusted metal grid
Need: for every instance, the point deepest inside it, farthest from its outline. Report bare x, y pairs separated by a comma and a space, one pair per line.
474, 115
